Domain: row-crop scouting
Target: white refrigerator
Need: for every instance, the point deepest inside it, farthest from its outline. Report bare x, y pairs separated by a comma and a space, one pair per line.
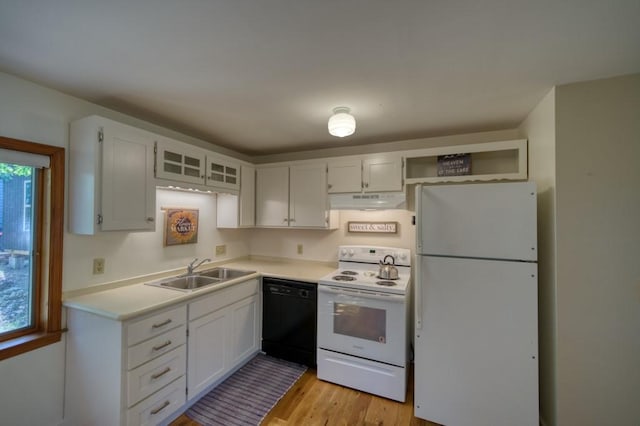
476, 298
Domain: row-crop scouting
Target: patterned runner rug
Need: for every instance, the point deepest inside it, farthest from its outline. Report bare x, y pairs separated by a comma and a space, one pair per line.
249, 394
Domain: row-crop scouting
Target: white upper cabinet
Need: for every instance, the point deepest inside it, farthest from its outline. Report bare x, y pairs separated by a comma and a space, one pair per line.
111, 183
383, 173
179, 162
222, 174
345, 176
272, 196
239, 211
293, 197
308, 202
372, 174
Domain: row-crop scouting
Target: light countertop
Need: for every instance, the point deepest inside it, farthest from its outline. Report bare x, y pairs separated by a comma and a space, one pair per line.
127, 301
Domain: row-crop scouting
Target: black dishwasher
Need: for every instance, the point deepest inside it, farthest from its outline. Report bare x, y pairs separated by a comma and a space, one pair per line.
289, 320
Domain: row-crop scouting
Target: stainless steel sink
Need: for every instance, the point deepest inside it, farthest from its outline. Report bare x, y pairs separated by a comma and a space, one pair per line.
224, 273
188, 283
200, 280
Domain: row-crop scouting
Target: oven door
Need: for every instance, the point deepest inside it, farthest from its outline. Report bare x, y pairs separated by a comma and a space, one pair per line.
364, 324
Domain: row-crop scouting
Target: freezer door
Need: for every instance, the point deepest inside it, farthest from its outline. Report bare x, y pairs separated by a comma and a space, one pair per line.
476, 352
496, 220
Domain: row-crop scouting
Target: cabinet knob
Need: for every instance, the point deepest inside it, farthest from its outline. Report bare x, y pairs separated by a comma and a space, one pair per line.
366, 184
292, 220
285, 220
150, 219
329, 186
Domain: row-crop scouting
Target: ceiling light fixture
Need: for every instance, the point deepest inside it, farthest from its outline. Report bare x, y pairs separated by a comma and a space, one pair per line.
341, 123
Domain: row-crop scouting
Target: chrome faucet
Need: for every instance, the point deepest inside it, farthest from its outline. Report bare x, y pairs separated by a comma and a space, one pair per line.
191, 266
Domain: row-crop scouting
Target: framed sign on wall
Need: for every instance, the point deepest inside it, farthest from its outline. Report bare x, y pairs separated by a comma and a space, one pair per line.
180, 226
373, 227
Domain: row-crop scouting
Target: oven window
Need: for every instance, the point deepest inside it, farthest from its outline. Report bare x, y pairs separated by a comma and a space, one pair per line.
360, 321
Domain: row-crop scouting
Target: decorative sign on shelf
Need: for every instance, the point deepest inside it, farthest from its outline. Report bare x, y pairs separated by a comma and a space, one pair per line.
180, 226
454, 165
375, 227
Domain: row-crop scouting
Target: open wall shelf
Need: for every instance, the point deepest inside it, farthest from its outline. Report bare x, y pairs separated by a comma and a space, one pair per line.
504, 160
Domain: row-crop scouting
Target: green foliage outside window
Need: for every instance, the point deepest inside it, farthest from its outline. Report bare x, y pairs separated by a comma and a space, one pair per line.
8, 171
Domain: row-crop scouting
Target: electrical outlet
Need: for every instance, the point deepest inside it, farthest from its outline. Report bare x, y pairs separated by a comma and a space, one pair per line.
299, 248
98, 266
221, 250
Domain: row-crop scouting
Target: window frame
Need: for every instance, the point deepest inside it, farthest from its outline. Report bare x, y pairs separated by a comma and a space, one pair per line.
46, 328
26, 225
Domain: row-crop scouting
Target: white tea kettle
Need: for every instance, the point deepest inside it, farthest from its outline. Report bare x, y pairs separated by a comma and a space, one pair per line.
388, 271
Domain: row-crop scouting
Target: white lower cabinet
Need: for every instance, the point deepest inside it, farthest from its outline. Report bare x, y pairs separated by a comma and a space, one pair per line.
155, 409
119, 372
207, 348
224, 331
245, 328
141, 371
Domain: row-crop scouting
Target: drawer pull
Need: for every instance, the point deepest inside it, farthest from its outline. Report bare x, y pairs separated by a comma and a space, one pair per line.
164, 345
162, 324
160, 408
160, 374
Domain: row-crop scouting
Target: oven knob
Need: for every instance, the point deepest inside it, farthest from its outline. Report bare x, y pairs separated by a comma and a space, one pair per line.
351, 252
343, 252
401, 256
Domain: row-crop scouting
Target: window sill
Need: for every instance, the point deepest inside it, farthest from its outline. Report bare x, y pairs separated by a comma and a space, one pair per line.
23, 344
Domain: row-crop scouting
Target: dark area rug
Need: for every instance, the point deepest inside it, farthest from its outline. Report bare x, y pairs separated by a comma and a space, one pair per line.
249, 394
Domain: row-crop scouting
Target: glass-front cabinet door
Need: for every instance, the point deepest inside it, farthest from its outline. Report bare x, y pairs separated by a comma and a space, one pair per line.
179, 162
222, 174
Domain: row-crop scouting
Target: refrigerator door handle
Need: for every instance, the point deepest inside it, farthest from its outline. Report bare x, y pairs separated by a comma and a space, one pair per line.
418, 260
418, 292
418, 202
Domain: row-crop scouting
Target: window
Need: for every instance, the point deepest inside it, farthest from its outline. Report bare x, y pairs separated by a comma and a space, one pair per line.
17, 295
31, 229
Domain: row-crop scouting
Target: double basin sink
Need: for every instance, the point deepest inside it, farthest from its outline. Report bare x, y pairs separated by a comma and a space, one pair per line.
200, 280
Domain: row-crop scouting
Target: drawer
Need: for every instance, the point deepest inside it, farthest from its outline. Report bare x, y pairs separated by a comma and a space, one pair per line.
222, 298
154, 325
156, 346
152, 376
157, 407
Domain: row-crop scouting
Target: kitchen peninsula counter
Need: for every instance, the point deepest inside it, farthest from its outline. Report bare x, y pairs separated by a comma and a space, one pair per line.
126, 299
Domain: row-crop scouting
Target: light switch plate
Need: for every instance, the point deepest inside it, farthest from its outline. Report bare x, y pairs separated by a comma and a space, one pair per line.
221, 250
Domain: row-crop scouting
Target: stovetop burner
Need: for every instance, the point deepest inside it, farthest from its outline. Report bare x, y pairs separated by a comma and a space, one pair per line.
344, 278
358, 271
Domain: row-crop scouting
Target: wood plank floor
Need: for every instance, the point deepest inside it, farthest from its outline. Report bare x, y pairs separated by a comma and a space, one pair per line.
314, 402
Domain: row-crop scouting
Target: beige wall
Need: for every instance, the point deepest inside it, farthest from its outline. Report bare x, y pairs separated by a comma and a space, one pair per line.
322, 245
598, 252
540, 129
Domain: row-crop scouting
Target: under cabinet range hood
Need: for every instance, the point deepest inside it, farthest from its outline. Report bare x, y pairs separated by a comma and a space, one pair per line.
368, 201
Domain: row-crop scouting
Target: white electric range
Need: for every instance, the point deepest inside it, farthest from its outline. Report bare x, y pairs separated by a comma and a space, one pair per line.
363, 322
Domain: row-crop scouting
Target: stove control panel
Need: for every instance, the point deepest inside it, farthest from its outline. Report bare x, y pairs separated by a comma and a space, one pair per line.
374, 254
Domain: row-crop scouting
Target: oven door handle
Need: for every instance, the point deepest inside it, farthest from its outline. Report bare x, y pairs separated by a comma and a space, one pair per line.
367, 295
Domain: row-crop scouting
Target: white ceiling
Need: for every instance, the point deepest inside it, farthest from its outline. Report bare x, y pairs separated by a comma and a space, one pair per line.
262, 76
